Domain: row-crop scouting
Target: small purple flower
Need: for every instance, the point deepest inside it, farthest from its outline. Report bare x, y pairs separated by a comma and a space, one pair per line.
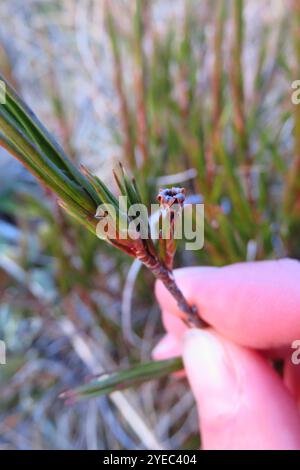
170, 196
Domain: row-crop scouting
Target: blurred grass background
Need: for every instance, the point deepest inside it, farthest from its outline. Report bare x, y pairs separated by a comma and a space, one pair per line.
183, 92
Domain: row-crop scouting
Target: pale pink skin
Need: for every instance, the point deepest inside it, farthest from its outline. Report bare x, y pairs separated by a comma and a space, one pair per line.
254, 313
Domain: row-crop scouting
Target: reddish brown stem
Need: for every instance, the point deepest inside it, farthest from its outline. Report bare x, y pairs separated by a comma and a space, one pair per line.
189, 313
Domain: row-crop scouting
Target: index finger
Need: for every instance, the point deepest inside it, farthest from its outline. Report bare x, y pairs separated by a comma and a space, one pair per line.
255, 304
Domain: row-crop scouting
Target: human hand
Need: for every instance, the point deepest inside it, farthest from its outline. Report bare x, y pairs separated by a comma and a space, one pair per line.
254, 313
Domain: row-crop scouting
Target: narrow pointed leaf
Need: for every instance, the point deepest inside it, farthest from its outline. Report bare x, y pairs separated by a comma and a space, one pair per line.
121, 380
37, 133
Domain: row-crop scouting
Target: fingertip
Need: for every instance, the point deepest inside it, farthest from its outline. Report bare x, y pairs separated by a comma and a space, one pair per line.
167, 348
190, 281
187, 279
242, 300
164, 298
174, 325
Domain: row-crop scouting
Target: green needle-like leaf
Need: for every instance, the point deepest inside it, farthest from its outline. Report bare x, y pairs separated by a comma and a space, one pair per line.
121, 380
18, 122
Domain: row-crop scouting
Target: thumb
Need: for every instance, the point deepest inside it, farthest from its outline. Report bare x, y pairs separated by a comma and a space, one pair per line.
242, 402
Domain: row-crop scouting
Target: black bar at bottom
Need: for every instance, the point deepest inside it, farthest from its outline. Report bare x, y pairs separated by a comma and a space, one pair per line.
134, 459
